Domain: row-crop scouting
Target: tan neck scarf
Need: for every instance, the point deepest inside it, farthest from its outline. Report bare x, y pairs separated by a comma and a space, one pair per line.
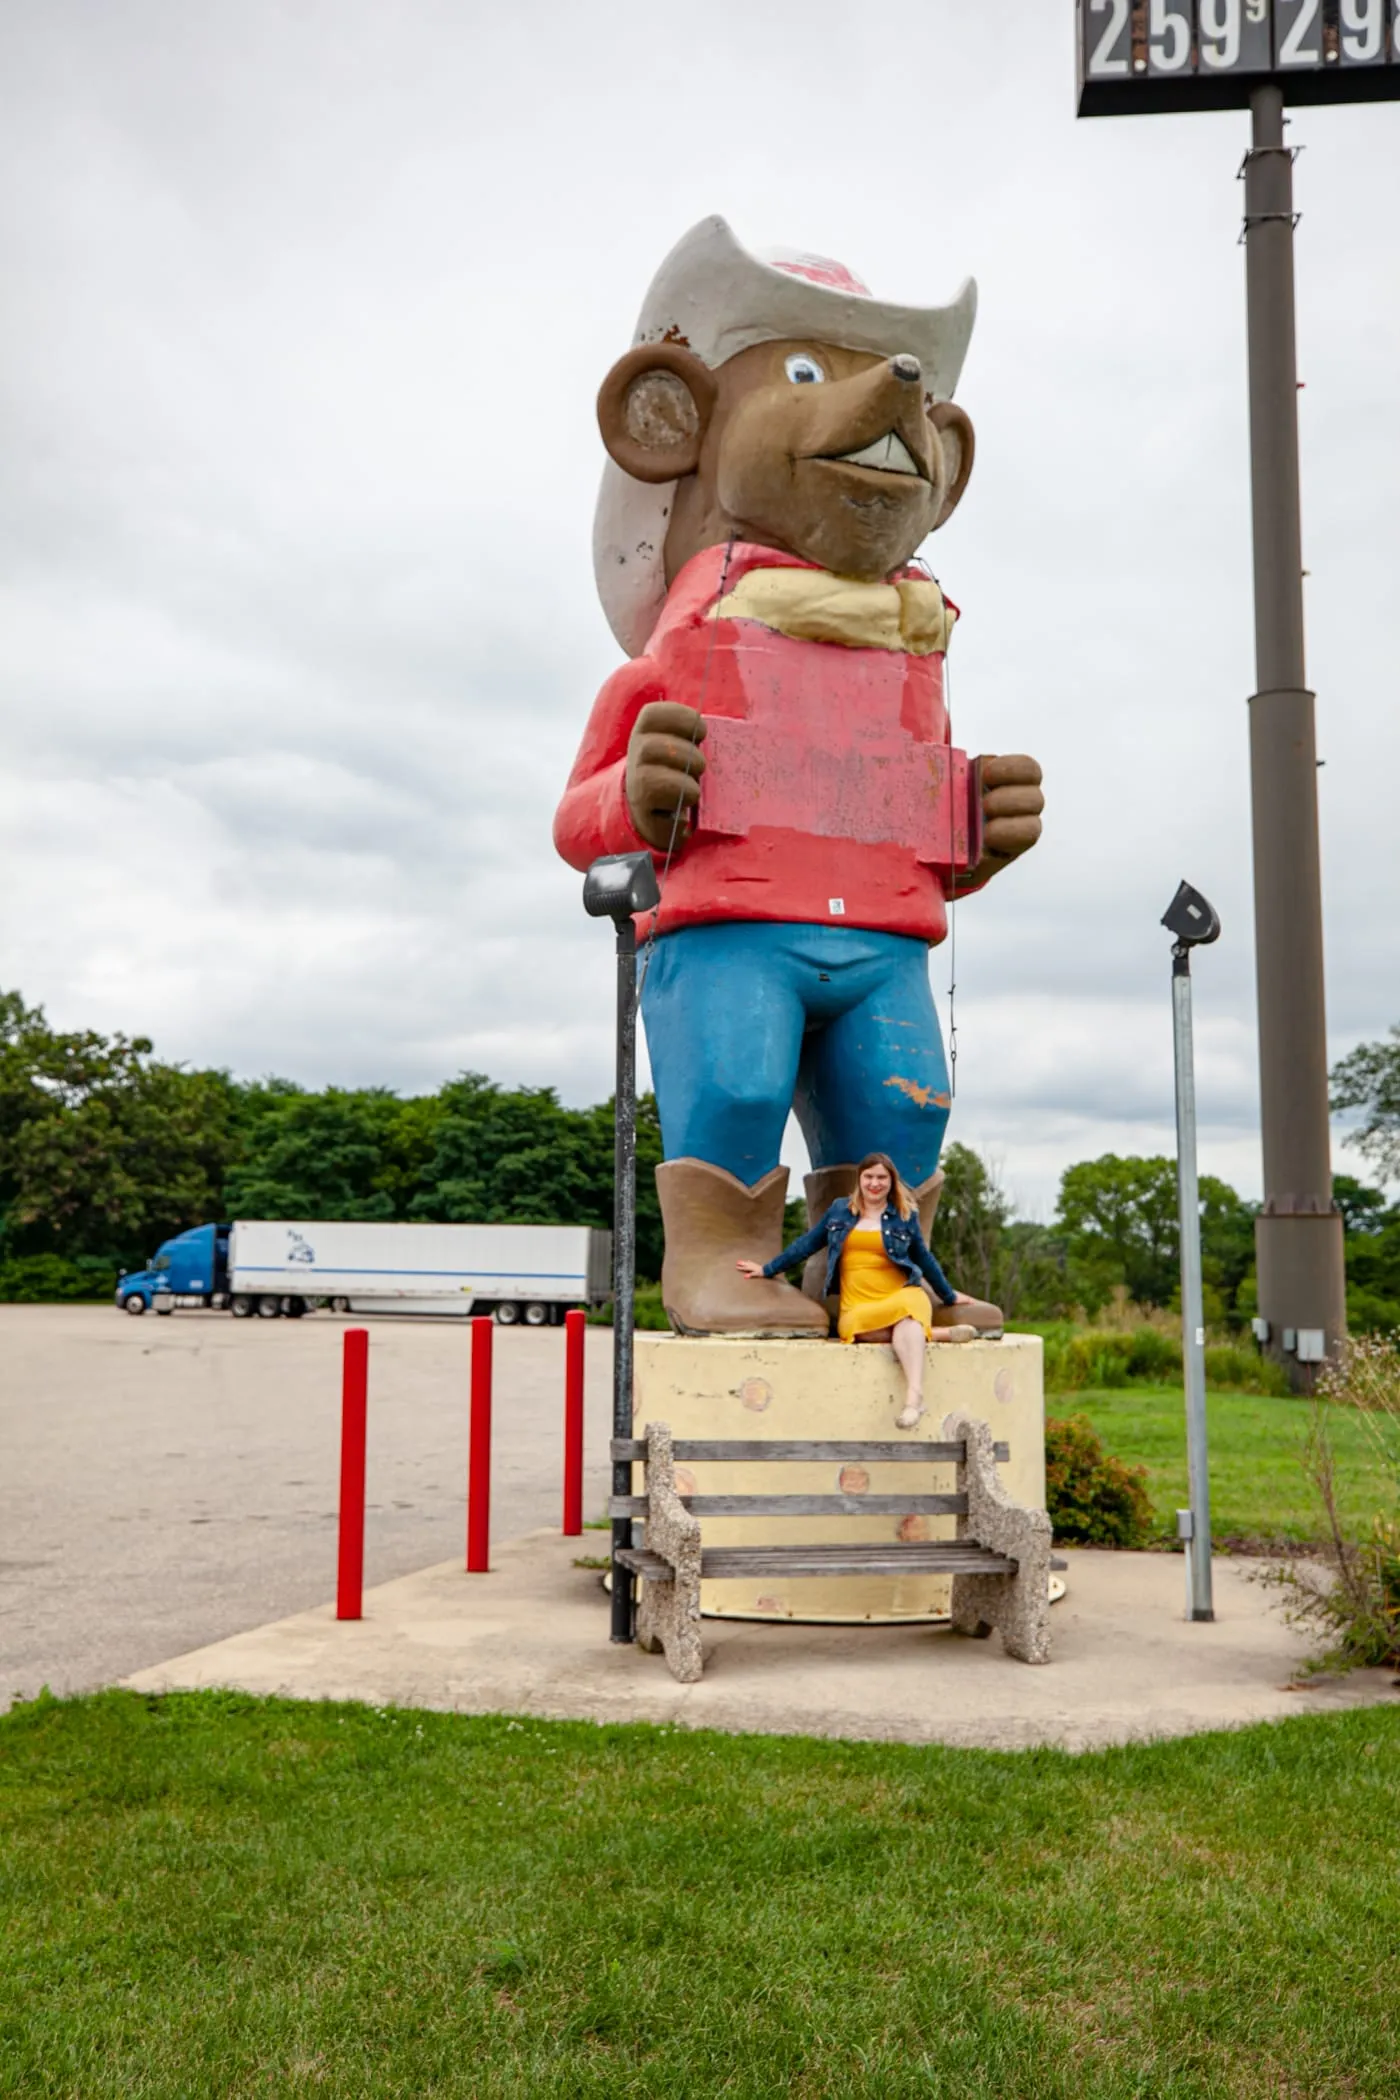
910, 615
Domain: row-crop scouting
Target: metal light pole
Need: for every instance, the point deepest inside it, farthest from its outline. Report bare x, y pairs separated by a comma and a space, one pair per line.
617, 887
1195, 924
1298, 1234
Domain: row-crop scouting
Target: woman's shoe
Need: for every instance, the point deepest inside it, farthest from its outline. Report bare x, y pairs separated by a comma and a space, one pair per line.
910, 1415
959, 1333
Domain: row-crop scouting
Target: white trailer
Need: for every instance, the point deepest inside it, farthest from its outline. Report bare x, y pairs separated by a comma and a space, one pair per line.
528, 1273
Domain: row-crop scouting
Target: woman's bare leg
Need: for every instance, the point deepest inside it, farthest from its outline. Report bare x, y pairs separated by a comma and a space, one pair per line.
908, 1340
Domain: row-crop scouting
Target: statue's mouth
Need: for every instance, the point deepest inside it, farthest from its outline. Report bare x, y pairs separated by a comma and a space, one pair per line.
887, 455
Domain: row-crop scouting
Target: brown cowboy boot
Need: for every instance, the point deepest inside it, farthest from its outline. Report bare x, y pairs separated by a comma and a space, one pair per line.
987, 1319
822, 1189
712, 1220
927, 1196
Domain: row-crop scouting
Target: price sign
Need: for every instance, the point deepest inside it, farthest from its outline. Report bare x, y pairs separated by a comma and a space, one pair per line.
1140, 56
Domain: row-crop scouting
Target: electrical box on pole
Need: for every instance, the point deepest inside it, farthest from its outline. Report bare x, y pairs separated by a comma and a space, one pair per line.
1146, 57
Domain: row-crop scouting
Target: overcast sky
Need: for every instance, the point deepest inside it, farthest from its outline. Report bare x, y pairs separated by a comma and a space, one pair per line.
305, 306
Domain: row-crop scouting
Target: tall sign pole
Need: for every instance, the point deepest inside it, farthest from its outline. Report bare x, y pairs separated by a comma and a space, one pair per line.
1298, 1234
1140, 57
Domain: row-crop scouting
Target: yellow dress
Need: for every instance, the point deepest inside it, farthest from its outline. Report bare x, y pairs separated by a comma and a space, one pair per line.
873, 1291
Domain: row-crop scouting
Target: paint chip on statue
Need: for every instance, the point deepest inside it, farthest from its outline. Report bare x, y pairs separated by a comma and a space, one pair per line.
925, 1096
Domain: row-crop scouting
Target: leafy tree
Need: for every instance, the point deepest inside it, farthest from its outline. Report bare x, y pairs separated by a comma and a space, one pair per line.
973, 1214
1368, 1082
1363, 1210
1372, 1256
1119, 1219
327, 1155
519, 1155
1032, 1280
103, 1149
1120, 1224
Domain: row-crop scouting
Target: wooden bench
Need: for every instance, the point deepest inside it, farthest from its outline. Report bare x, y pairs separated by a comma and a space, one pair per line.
999, 1560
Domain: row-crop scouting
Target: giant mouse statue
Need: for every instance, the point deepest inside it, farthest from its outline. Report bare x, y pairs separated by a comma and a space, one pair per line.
779, 445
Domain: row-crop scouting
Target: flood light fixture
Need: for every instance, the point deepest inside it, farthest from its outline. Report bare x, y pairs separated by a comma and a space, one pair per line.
619, 885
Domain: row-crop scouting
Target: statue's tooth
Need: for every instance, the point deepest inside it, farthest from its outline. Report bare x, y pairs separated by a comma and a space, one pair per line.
889, 453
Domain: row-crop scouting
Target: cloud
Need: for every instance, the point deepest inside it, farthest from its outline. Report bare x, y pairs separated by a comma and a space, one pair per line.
306, 308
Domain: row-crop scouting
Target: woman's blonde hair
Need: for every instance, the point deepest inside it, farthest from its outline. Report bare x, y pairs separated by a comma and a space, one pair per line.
899, 1195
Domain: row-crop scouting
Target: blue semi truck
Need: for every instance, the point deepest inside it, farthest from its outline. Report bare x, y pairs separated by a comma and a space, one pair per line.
193, 1267
283, 1268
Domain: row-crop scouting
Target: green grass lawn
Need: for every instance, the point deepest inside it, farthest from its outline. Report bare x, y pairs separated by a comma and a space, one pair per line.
1258, 1489
212, 1895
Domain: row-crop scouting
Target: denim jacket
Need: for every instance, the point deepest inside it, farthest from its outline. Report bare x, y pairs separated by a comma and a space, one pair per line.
904, 1244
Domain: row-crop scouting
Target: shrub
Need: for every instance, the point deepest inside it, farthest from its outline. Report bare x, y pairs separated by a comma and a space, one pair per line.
49, 1279
1080, 1358
1233, 1367
1096, 1357
1092, 1497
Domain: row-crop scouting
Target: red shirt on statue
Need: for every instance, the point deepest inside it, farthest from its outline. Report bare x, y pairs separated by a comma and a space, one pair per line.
831, 794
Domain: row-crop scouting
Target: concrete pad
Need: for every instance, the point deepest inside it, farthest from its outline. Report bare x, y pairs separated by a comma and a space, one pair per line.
168, 1481
532, 1637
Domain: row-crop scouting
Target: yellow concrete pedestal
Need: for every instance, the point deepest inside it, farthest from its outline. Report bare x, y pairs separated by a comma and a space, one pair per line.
714, 1387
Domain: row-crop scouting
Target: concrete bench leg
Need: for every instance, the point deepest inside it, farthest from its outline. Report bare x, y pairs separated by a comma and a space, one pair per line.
668, 1613
1017, 1605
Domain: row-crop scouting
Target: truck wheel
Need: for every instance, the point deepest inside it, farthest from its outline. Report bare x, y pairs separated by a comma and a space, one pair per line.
294, 1307
240, 1306
537, 1316
507, 1314
269, 1308
135, 1304
165, 1311
340, 1305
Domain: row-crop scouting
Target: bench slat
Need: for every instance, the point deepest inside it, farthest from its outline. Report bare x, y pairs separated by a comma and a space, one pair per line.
689, 1452
802, 1505
717, 1562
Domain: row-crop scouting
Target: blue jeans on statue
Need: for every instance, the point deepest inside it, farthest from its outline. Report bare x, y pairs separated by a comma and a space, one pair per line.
746, 1020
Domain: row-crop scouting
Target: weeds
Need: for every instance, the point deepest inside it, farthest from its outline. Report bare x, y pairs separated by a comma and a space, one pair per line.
1350, 1595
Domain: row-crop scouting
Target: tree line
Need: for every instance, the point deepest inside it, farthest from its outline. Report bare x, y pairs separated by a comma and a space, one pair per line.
106, 1150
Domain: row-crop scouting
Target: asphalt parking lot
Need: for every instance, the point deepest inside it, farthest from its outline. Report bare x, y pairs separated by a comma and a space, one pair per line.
166, 1482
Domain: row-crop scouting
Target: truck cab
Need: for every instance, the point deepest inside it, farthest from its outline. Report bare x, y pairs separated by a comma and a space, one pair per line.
191, 1269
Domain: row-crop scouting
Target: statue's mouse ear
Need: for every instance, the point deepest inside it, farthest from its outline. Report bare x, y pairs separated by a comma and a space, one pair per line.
653, 410
958, 445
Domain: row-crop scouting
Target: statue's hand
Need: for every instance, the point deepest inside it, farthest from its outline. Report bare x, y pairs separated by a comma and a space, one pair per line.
663, 769
1011, 810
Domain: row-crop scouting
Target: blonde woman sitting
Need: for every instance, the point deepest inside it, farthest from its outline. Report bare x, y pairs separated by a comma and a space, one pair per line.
873, 1240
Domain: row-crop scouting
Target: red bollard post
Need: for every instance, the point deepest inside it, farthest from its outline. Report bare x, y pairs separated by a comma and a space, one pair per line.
574, 1324
479, 1454
354, 1415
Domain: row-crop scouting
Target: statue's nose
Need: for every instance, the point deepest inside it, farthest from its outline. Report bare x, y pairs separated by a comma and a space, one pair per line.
906, 367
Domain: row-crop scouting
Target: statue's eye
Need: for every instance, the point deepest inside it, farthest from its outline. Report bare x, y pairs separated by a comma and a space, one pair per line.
803, 370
